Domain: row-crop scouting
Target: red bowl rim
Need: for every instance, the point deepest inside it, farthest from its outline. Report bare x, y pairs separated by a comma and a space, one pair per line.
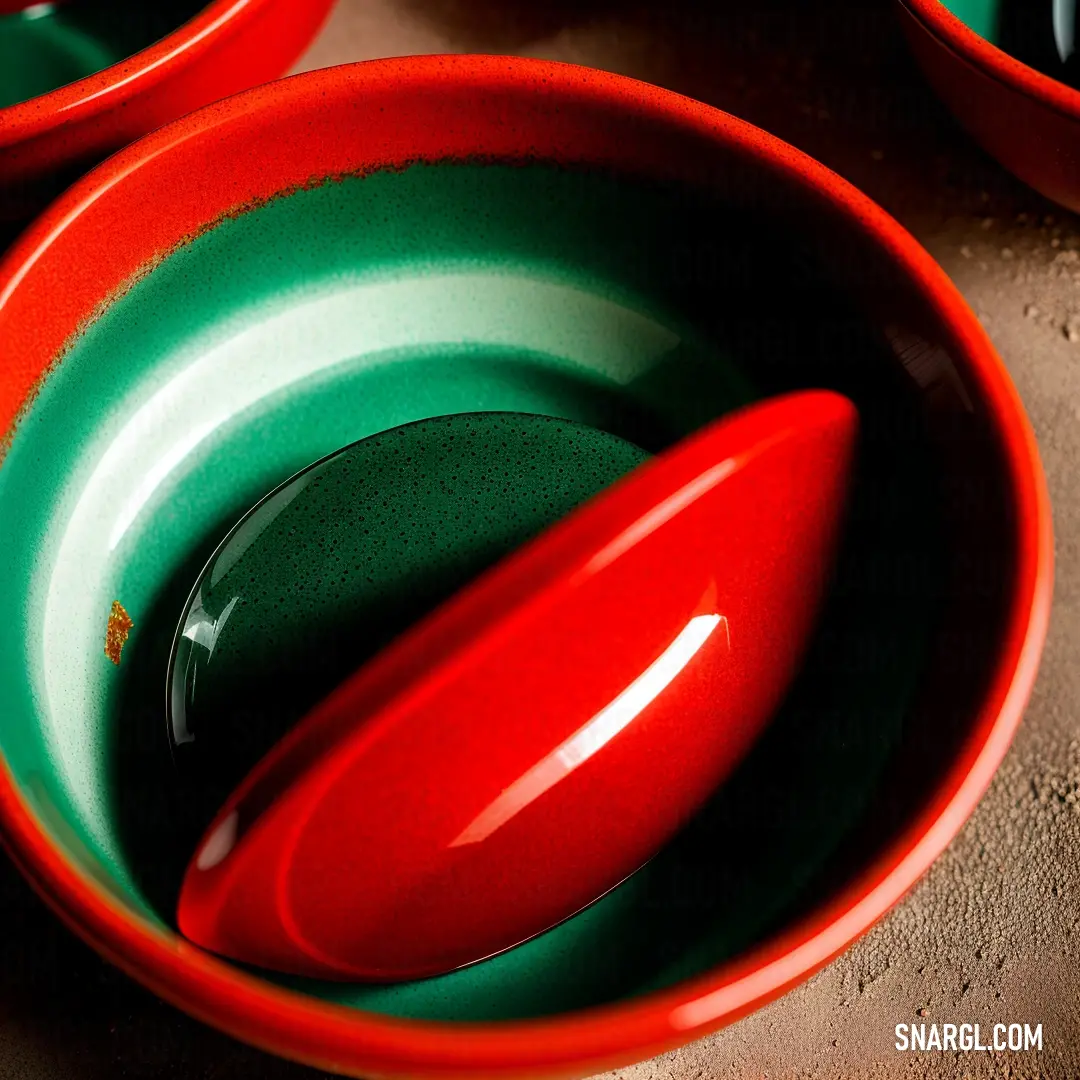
587, 1041
986, 56
115, 85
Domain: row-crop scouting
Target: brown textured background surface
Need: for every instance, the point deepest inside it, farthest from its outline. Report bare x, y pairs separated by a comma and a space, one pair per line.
993, 932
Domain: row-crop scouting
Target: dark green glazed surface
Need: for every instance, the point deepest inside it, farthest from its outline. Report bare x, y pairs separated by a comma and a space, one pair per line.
336, 313
339, 561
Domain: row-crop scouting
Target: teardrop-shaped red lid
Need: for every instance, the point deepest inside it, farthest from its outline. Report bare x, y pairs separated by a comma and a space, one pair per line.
538, 738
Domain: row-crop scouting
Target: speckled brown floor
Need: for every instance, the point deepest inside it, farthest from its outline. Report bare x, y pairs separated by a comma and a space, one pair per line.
993, 932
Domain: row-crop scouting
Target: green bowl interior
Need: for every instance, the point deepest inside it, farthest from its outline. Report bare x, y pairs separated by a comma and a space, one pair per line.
982, 16
333, 313
50, 45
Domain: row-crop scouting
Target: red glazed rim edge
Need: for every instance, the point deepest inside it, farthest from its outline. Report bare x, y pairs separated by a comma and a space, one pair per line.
587, 1041
119, 83
982, 54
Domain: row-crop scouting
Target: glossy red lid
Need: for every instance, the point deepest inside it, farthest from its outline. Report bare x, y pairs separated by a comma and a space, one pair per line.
539, 738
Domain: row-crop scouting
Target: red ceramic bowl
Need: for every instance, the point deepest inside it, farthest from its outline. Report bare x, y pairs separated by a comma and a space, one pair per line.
374, 121
227, 47
1027, 120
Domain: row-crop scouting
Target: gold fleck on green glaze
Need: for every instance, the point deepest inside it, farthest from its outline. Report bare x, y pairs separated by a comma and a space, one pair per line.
116, 634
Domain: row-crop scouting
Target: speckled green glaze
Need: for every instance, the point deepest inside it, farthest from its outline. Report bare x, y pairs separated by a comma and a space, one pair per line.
335, 313
51, 45
981, 15
337, 562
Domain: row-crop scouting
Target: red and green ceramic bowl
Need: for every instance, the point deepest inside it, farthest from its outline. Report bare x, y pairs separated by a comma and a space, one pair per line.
1025, 118
317, 260
80, 79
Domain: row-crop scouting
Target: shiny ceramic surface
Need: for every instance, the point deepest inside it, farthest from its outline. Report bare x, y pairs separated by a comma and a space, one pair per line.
199, 54
1027, 120
332, 566
626, 318
519, 753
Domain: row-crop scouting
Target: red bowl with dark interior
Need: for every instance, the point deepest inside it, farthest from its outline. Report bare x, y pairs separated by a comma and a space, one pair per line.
1023, 116
81, 78
288, 271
